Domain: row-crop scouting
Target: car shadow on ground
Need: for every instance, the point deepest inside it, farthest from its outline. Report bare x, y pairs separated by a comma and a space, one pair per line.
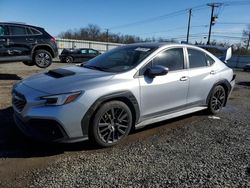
9, 77
13, 144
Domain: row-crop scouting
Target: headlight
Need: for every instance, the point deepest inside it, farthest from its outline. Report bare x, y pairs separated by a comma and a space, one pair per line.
61, 99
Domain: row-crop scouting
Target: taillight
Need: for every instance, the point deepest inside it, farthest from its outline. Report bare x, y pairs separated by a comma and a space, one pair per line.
53, 40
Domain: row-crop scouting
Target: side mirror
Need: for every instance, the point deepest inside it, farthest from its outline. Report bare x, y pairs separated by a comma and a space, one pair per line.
156, 70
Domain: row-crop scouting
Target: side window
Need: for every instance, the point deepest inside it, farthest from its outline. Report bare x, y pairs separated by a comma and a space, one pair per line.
197, 58
92, 51
210, 60
84, 51
34, 31
2, 31
28, 31
172, 59
17, 30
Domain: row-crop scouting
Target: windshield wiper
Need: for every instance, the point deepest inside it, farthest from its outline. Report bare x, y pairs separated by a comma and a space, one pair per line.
93, 67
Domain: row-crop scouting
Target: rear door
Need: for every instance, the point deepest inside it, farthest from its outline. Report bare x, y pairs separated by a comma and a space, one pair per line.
17, 45
83, 55
202, 76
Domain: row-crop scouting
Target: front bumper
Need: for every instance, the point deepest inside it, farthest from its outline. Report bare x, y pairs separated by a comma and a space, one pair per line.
48, 123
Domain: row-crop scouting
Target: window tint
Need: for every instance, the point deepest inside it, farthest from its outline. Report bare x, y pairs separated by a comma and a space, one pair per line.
2, 30
83, 51
210, 60
120, 59
92, 51
172, 59
17, 30
197, 58
28, 31
34, 31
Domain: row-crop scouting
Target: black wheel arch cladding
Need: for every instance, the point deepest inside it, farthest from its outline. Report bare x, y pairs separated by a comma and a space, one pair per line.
125, 96
225, 84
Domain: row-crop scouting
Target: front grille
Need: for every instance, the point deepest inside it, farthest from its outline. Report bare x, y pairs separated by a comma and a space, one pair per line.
18, 101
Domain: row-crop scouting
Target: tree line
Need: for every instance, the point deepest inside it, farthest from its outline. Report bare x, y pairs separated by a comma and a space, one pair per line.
95, 33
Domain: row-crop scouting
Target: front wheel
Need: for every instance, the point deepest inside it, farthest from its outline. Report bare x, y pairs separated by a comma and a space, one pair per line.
217, 100
42, 59
69, 59
111, 123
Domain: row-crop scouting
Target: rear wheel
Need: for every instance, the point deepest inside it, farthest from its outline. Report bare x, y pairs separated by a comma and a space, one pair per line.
69, 59
217, 99
28, 63
111, 123
42, 58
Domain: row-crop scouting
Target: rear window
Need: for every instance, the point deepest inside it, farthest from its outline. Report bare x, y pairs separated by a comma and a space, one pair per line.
92, 51
197, 58
17, 30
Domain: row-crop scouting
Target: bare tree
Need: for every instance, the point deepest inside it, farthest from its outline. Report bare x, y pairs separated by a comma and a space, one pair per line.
246, 37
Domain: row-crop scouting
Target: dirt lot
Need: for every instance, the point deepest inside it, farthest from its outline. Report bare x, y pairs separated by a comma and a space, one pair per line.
196, 150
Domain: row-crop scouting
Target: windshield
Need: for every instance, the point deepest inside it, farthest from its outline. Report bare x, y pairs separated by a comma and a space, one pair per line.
120, 59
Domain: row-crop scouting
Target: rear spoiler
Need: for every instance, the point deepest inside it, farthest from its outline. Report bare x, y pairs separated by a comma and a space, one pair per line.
226, 52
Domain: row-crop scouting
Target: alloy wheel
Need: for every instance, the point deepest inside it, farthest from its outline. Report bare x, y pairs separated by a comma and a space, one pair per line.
113, 124
43, 59
218, 99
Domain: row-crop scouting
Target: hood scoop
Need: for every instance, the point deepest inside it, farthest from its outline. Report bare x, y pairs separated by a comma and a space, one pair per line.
59, 73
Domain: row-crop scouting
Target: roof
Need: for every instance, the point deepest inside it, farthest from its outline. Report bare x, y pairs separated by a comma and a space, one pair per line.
19, 24
150, 44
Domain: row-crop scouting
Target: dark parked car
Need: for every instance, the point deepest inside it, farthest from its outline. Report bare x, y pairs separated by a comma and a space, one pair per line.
78, 55
247, 67
30, 44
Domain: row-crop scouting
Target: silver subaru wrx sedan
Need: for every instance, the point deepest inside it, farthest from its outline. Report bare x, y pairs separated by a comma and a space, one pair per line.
128, 87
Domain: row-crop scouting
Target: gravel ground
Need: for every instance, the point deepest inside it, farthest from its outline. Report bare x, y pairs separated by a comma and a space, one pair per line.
196, 150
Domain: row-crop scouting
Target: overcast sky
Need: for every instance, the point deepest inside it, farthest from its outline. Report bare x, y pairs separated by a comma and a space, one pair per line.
60, 15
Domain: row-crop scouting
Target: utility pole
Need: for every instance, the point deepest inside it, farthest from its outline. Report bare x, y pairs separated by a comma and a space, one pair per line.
189, 20
107, 39
107, 35
212, 19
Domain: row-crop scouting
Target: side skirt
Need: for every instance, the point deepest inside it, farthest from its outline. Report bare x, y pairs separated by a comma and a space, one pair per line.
169, 116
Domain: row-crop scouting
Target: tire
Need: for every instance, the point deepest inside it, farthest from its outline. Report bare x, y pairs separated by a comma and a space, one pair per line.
217, 100
42, 58
111, 123
69, 59
28, 63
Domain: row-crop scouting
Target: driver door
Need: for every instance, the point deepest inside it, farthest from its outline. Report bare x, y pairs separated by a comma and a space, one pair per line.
162, 94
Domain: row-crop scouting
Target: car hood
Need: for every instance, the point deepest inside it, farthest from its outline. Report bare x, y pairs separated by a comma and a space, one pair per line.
66, 79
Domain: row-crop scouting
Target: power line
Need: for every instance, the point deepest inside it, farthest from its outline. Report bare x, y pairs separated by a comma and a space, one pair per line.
233, 23
174, 29
158, 18
235, 3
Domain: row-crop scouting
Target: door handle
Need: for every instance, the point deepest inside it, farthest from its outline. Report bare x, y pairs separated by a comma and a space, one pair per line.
184, 78
212, 72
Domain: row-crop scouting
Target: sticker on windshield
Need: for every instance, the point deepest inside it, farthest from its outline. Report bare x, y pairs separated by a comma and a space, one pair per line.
142, 49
